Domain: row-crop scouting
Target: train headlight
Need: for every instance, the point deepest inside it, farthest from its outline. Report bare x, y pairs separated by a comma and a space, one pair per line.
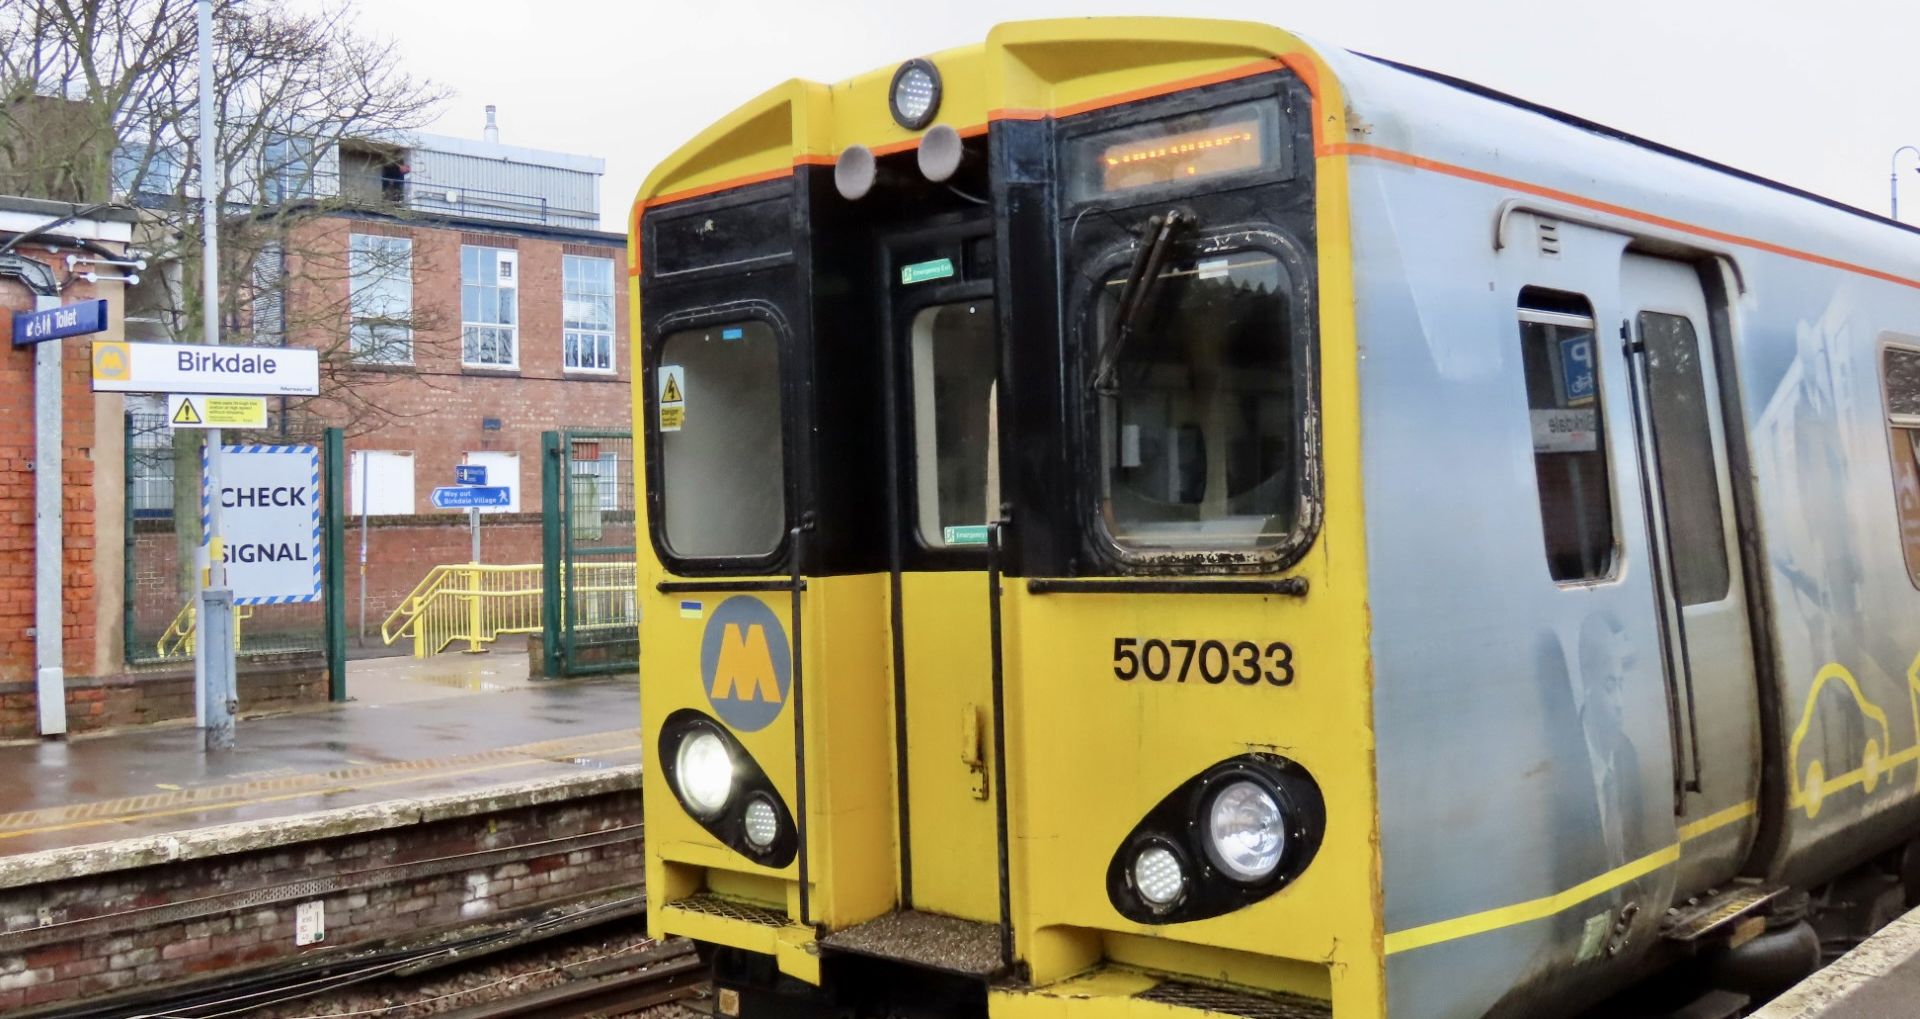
762, 823
915, 96
704, 771
1159, 876
1246, 831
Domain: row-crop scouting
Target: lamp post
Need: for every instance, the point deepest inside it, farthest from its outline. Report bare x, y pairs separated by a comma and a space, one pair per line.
1893, 179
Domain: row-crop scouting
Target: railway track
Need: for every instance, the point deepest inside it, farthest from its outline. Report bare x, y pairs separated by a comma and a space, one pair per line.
660, 975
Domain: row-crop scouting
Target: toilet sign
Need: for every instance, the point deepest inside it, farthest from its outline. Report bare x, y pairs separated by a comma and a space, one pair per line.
270, 513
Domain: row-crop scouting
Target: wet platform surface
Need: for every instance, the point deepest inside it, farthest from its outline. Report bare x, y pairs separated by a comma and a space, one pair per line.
1879, 979
398, 739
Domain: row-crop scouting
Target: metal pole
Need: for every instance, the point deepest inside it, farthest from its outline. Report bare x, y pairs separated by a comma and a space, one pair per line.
366, 459
49, 527
1893, 180
473, 522
213, 645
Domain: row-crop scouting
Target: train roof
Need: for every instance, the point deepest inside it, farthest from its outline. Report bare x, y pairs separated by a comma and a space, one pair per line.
1594, 127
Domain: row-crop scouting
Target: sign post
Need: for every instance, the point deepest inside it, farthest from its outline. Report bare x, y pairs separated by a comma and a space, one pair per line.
474, 475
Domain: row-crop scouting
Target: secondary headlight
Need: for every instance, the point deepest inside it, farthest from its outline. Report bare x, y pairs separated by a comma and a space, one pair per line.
915, 96
1158, 876
1246, 832
761, 821
704, 771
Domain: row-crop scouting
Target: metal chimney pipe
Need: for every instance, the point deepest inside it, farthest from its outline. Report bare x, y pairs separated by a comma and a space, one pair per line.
492, 133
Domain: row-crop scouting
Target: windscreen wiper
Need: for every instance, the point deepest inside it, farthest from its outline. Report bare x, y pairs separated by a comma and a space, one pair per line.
1143, 280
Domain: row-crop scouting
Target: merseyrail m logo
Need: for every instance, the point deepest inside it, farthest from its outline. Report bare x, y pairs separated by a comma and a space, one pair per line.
743, 660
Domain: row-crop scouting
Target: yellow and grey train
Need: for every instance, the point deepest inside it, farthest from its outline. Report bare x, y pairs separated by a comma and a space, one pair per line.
1151, 516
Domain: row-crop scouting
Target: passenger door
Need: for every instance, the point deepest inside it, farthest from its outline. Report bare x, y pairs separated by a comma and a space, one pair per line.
942, 367
1706, 651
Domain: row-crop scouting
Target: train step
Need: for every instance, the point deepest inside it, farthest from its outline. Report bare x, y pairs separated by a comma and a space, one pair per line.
962, 947
1716, 912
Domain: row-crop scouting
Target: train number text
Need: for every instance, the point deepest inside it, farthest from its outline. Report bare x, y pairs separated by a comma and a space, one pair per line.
1213, 661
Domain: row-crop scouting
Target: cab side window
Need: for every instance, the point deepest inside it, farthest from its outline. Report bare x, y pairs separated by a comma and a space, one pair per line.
1900, 369
1558, 356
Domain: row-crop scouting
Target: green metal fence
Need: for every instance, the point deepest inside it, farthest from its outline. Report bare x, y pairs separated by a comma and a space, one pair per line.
590, 617
163, 537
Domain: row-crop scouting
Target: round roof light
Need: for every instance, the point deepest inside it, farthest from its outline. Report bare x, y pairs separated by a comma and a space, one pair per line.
915, 95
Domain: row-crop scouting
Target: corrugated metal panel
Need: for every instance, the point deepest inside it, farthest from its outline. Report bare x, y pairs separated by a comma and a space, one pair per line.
502, 189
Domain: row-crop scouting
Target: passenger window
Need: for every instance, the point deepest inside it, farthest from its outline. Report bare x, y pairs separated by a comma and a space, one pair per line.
1557, 353
1901, 369
1689, 472
716, 406
953, 422
1200, 422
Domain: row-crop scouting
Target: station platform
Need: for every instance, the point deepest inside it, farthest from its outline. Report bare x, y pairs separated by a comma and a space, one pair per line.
1879, 979
446, 792
412, 730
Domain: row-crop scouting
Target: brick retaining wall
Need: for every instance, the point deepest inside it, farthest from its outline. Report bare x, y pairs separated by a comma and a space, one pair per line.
106, 934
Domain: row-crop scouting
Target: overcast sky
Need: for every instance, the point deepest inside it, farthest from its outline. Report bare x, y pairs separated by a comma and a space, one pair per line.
1815, 93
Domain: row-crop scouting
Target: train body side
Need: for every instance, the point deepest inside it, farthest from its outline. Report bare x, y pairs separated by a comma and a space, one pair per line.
1529, 843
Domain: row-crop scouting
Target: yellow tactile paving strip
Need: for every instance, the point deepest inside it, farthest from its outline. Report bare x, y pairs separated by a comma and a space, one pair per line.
603, 747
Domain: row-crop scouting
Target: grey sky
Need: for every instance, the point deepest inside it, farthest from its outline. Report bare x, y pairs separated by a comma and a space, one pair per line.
1815, 94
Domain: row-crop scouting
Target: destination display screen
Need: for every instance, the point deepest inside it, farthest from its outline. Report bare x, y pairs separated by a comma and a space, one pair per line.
1177, 150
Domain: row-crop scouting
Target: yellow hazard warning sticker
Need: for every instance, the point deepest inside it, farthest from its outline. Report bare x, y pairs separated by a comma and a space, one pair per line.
673, 397
185, 411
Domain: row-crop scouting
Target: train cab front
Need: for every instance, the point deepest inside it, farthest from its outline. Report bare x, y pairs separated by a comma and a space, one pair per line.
1003, 641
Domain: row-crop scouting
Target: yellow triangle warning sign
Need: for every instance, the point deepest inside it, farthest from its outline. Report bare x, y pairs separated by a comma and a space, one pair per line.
187, 414
671, 392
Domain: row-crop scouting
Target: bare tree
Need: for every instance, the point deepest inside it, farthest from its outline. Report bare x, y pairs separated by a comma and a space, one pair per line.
98, 99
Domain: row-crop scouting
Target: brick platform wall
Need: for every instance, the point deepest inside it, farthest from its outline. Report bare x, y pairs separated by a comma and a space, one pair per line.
273, 684
142, 929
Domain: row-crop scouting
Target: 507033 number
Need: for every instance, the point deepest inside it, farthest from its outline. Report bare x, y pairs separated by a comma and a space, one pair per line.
1213, 661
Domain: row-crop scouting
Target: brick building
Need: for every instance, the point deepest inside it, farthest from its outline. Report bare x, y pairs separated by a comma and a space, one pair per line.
482, 307
36, 239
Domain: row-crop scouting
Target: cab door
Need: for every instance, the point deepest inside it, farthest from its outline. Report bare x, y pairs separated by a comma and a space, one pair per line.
1706, 650
942, 365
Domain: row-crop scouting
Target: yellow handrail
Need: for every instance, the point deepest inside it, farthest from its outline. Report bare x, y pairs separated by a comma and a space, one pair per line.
467, 602
177, 639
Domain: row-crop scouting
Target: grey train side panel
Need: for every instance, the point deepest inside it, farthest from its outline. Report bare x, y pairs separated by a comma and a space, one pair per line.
1521, 726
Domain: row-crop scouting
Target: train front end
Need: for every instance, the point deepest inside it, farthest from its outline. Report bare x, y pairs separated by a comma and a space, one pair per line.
1004, 623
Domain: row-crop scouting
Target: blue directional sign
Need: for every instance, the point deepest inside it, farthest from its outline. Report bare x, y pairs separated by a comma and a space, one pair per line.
470, 474
472, 496
31, 327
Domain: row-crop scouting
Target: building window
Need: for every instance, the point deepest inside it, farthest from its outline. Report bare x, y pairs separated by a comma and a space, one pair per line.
288, 165
269, 296
380, 280
1900, 367
380, 483
588, 301
1557, 353
489, 307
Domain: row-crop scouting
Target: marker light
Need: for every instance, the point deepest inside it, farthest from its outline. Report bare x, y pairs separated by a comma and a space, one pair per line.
1158, 876
704, 772
1245, 831
915, 96
762, 822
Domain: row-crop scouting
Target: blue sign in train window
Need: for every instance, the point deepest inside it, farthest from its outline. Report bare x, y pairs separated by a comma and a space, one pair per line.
1576, 369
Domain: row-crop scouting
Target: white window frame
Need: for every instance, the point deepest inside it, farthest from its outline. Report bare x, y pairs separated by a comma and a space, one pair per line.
368, 294
498, 258
602, 269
